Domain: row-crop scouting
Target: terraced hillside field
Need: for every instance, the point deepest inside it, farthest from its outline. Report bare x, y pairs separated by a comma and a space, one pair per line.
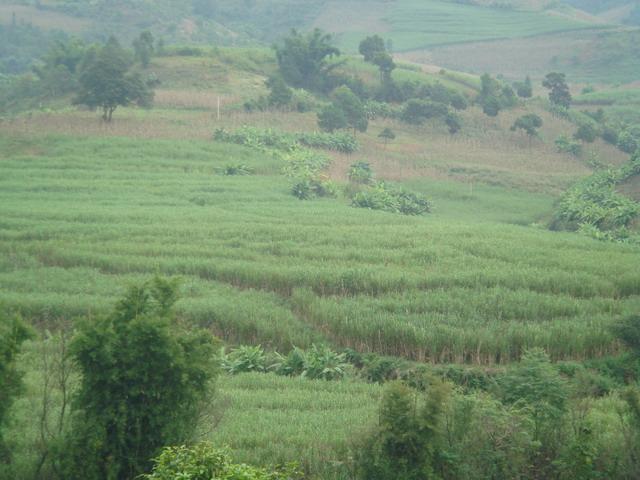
472, 282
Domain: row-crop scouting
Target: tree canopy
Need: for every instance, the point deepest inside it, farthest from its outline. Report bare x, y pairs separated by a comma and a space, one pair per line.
372, 46
530, 123
143, 382
106, 84
559, 93
303, 59
13, 332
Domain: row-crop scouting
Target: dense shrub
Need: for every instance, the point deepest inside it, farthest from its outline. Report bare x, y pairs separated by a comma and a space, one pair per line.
595, 205
13, 332
566, 145
408, 442
629, 139
245, 359
317, 363
360, 172
204, 462
237, 169
144, 380
587, 132
375, 110
382, 196
261, 138
416, 112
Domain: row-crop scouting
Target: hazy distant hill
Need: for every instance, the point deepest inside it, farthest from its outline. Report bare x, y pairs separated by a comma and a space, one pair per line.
583, 37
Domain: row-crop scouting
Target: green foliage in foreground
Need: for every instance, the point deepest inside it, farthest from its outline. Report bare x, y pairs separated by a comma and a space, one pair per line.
204, 462
143, 384
13, 332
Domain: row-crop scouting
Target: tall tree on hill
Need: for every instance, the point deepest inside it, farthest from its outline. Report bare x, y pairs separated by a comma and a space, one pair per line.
371, 46
558, 89
143, 48
106, 84
352, 107
303, 60
524, 89
279, 94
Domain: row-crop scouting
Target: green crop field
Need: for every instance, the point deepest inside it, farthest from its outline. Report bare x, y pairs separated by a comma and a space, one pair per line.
270, 419
500, 311
415, 24
473, 282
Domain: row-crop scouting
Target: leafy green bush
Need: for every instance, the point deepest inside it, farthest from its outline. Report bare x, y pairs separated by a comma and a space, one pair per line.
382, 196
268, 138
13, 332
565, 145
238, 169
594, 206
323, 363
360, 172
629, 139
291, 365
144, 380
377, 369
204, 462
308, 188
375, 110
245, 359
342, 142
586, 132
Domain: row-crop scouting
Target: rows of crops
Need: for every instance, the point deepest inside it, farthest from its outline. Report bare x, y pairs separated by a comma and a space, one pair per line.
82, 218
414, 24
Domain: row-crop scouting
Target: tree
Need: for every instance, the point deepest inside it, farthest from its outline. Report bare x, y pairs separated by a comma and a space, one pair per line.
524, 89
332, 118
105, 83
143, 48
416, 112
406, 443
558, 89
144, 381
58, 72
13, 332
385, 64
371, 46
361, 172
452, 120
279, 94
491, 106
387, 135
587, 132
530, 123
352, 107
629, 139
537, 387
494, 96
303, 59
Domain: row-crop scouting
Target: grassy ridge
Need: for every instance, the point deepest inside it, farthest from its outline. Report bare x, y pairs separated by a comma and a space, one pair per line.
83, 215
